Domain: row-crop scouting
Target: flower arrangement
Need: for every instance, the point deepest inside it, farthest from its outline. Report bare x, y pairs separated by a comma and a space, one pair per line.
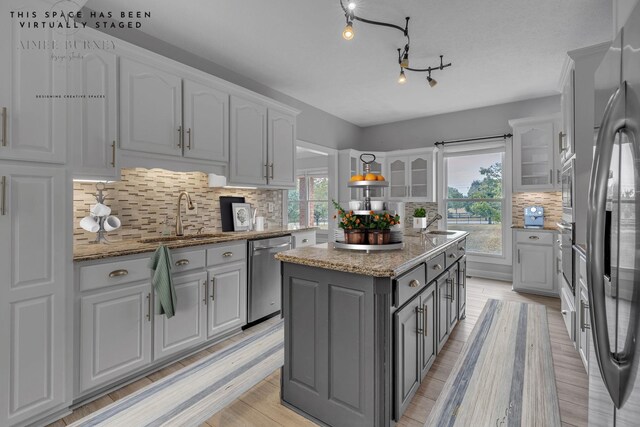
383, 221
348, 221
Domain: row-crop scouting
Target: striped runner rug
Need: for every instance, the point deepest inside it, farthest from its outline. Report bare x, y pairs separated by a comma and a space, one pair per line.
192, 395
504, 375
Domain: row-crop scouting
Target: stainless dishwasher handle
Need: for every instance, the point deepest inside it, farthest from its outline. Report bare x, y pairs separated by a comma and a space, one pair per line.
273, 247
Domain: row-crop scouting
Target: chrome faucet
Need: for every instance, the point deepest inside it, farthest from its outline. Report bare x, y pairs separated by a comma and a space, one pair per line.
434, 219
179, 227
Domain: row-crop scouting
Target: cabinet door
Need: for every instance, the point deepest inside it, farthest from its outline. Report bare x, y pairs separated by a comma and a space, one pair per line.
150, 109
534, 269
227, 298
408, 339
248, 142
453, 296
397, 176
462, 288
33, 332
32, 88
442, 293
429, 321
534, 157
206, 122
115, 333
565, 143
187, 327
93, 130
421, 177
282, 149
584, 336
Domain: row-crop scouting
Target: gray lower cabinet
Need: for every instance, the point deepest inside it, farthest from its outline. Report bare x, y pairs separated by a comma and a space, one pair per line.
408, 352
227, 296
462, 288
187, 327
429, 344
442, 296
453, 296
115, 333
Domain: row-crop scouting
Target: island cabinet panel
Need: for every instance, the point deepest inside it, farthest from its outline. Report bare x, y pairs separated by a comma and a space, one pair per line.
428, 341
336, 354
407, 343
442, 290
453, 296
462, 288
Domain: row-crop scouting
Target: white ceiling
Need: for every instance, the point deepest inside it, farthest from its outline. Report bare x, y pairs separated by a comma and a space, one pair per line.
501, 50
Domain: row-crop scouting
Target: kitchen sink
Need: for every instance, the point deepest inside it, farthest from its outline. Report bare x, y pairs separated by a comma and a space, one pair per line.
181, 238
441, 233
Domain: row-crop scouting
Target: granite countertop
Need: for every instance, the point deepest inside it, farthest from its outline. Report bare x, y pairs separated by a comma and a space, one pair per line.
521, 227
378, 264
91, 252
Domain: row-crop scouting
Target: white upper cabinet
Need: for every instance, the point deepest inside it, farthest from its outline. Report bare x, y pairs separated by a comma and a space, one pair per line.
206, 122
150, 109
32, 87
93, 130
282, 148
33, 327
566, 135
248, 142
536, 158
411, 177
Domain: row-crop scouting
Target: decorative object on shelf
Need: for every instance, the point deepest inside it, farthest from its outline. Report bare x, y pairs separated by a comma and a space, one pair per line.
380, 227
241, 216
379, 237
403, 53
367, 180
420, 218
100, 219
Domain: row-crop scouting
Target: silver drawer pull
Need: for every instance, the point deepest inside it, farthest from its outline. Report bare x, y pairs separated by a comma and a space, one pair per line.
118, 273
564, 312
414, 283
437, 267
182, 262
452, 255
305, 240
227, 254
461, 249
534, 237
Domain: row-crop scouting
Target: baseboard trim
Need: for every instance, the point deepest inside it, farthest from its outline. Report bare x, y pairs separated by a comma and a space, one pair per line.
485, 274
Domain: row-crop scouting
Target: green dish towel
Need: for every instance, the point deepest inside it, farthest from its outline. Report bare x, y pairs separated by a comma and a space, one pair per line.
161, 265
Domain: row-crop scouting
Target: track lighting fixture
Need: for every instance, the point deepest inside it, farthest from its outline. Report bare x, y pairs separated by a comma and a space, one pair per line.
402, 79
403, 54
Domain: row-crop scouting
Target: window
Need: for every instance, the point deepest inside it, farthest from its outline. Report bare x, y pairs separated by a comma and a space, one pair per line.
475, 200
308, 204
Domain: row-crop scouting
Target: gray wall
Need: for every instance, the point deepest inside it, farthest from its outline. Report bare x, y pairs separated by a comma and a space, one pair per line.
421, 132
314, 125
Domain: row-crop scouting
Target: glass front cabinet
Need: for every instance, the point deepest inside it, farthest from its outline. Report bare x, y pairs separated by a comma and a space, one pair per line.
411, 177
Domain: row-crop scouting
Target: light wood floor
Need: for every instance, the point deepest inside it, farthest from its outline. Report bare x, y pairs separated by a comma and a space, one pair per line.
261, 406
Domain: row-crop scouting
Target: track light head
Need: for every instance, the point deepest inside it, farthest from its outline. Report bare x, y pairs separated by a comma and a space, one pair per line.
432, 82
348, 32
405, 60
402, 79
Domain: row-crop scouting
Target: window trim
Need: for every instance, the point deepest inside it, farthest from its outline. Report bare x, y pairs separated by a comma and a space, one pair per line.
310, 173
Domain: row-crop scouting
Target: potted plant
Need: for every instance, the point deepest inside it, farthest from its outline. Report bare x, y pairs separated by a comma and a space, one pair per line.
380, 228
420, 218
353, 226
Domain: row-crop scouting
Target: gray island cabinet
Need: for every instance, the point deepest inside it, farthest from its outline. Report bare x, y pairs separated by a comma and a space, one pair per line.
362, 330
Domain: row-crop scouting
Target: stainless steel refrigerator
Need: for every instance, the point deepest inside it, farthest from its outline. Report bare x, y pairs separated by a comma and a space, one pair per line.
613, 252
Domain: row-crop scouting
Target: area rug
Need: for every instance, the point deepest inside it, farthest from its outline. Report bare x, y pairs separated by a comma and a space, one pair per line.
504, 375
192, 395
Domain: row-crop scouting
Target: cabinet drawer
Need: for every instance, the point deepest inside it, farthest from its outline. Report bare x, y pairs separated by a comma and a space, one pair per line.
305, 238
187, 260
114, 273
582, 268
568, 312
534, 238
435, 267
451, 256
410, 284
227, 252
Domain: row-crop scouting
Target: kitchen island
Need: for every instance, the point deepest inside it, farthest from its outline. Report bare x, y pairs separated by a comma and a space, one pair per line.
362, 330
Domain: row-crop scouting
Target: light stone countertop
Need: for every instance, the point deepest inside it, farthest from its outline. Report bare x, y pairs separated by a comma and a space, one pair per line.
390, 263
91, 252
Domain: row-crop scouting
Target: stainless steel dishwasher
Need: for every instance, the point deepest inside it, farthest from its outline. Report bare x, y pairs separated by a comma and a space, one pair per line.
265, 278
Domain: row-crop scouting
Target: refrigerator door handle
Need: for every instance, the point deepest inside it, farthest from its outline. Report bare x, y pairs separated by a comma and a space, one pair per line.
614, 367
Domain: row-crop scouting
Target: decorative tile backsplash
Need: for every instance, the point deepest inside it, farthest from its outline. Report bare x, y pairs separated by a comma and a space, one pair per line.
552, 203
143, 198
409, 207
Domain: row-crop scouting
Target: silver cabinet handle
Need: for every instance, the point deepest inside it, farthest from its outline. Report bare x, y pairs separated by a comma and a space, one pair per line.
425, 326
305, 240
583, 325
180, 136
182, 262
462, 250
266, 171
550, 176
206, 291
534, 237
414, 283
437, 267
118, 273
4, 127
271, 170
518, 256
616, 371
189, 139
452, 255
564, 312
113, 154
149, 307
3, 201
560, 147
419, 312
213, 288
558, 174
227, 254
